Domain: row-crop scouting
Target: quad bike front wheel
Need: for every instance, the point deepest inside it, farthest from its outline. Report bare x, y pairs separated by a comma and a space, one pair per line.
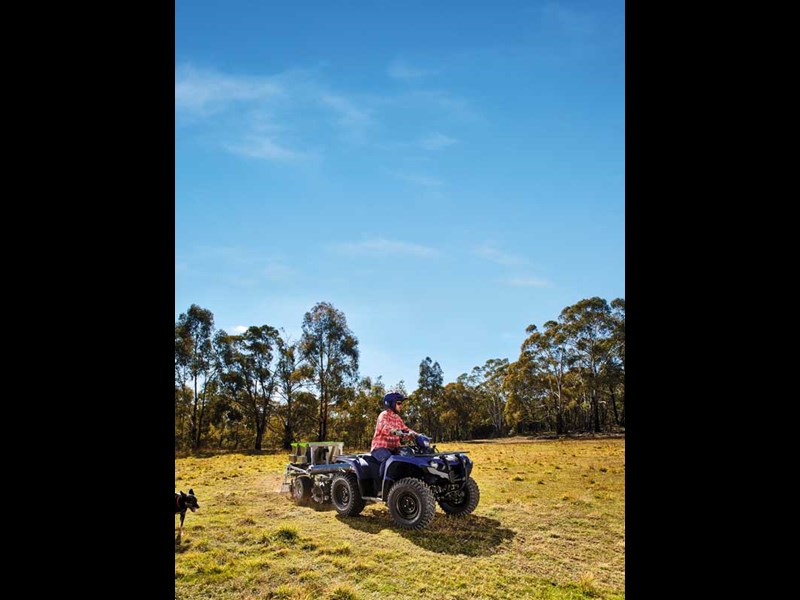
411, 503
461, 503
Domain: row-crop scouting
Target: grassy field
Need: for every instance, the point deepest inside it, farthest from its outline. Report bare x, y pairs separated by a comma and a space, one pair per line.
550, 524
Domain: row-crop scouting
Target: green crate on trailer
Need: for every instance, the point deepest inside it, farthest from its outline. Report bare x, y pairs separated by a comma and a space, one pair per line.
315, 453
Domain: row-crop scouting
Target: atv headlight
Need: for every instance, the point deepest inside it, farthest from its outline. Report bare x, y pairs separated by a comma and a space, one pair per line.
437, 464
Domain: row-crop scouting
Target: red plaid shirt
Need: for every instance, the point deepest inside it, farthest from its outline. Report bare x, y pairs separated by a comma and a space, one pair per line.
387, 421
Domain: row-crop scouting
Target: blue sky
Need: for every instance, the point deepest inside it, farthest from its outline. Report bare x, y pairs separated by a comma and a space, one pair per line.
444, 173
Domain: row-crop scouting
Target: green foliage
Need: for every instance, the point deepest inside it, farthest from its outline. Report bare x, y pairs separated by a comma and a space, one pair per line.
248, 373
330, 352
354, 417
295, 413
260, 390
194, 364
427, 398
571, 375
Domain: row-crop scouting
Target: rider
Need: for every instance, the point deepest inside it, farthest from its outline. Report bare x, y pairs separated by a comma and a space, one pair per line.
389, 428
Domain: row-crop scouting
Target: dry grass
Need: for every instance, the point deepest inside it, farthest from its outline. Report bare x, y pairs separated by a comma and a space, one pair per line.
550, 524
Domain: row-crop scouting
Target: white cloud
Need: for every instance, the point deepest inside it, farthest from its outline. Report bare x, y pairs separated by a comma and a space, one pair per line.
278, 271
436, 141
204, 91
527, 282
264, 148
417, 179
245, 265
239, 329
568, 20
438, 105
385, 247
279, 117
491, 253
399, 69
349, 113
453, 107
353, 121
243, 281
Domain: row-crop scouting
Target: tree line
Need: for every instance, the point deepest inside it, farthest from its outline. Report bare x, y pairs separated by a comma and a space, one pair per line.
259, 389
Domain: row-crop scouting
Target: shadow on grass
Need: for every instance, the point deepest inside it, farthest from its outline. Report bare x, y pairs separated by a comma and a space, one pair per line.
181, 547
472, 535
312, 506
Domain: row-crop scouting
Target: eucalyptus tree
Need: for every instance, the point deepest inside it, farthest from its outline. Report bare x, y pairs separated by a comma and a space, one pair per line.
588, 326
362, 412
457, 413
249, 373
305, 413
492, 396
194, 363
615, 365
428, 394
526, 405
330, 352
183, 408
290, 382
225, 417
552, 358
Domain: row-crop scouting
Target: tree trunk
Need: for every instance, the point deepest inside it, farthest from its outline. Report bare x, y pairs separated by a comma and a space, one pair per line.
324, 421
321, 415
613, 403
200, 423
596, 411
193, 423
288, 436
259, 436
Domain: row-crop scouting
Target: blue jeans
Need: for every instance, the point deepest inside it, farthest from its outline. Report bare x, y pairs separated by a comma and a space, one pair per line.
381, 454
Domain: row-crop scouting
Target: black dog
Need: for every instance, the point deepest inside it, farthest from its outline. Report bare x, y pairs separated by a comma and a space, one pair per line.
182, 502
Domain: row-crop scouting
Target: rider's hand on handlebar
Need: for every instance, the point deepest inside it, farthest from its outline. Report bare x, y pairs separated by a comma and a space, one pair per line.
401, 432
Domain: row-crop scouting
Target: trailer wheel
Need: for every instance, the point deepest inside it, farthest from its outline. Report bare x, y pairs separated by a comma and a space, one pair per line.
346, 496
301, 490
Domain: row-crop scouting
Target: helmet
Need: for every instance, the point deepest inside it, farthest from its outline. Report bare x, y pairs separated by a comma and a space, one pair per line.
390, 400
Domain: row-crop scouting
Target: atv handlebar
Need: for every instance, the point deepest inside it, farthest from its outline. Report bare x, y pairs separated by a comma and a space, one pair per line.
418, 443
404, 432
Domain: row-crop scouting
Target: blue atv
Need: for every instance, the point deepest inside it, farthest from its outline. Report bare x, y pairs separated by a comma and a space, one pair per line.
410, 482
